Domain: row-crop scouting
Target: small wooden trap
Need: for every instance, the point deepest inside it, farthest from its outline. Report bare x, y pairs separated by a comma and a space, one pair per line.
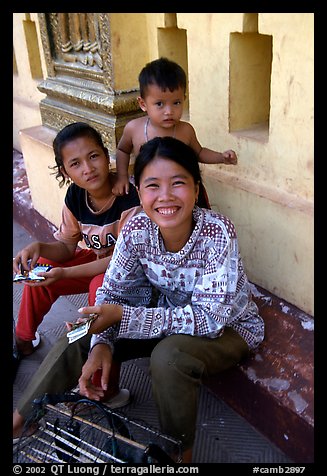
71, 429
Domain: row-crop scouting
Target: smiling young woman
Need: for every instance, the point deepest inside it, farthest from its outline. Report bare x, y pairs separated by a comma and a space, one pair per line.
204, 320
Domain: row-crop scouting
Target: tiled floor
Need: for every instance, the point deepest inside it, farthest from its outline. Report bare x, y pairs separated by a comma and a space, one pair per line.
222, 435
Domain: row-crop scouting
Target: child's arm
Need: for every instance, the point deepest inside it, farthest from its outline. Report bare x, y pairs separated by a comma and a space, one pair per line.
86, 270
90, 270
122, 183
208, 156
124, 149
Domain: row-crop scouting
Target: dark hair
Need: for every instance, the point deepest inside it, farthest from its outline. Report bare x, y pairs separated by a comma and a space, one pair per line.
164, 73
68, 134
167, 148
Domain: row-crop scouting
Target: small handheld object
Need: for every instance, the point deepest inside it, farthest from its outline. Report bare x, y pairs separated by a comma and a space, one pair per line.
32, 275
80, 329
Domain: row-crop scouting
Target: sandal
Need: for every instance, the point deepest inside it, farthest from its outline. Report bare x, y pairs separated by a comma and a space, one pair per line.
27, 347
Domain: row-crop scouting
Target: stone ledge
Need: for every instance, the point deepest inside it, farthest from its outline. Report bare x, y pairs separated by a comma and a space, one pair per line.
273, 389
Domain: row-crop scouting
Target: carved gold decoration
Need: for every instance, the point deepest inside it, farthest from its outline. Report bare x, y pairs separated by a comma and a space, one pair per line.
46, 44
79, 86
106, 50
75, 38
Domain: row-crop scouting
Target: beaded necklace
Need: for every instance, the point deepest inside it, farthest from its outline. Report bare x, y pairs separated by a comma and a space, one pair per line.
92, 206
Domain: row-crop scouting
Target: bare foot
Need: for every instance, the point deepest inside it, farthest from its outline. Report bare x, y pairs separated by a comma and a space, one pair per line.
187, 456
18, 424
24, 347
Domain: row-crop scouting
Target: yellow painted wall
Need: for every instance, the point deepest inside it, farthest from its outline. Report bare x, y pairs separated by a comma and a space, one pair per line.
269, 194
26, 96
125, 31
272, 185
286, 161
276, 241
249, 79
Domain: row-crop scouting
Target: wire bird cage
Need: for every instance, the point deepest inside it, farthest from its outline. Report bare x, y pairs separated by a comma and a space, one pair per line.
68, 428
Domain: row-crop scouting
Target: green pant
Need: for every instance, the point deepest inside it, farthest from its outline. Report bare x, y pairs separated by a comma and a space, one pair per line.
62, 367
177, 364
58, 372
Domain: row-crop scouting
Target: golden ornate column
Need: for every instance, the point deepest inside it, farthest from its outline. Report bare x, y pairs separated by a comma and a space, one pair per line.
80, 83
92, 61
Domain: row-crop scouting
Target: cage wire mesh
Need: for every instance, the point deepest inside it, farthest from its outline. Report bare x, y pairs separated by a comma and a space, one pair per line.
71, 429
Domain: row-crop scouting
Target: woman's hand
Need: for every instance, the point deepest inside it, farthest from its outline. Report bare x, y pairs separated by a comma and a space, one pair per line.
51, 276
99, 358
107, 316
30, 252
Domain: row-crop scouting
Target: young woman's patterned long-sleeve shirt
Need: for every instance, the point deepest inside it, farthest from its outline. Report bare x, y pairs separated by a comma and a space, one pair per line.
202, 288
